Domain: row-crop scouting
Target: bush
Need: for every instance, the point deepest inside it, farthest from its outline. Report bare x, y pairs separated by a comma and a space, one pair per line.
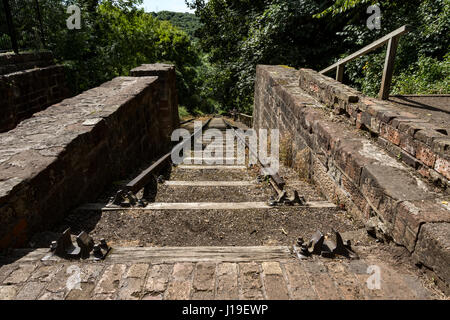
183, 112
426, 76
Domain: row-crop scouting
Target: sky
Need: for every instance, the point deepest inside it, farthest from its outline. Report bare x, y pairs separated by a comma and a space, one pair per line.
169, 5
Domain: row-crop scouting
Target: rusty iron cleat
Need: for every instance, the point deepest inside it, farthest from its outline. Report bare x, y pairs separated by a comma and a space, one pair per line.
296, 199
64, 247
343, 248
316, 243
101, 250
160, 179
122, 199
325, 248
86, 244
141, 203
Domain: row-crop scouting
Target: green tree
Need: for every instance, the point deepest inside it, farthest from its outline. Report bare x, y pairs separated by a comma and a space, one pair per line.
239, 34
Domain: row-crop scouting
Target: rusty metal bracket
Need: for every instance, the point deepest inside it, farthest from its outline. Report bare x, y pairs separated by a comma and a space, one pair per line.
325, 248
85, 243
291, 201
123, 199
101, 250
64, 248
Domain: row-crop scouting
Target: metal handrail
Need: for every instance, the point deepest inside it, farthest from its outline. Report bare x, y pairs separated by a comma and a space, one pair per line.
392, 40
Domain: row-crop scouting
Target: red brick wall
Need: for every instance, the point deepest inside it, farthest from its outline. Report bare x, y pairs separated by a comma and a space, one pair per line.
419, 144
28, 83
67, 154
168, 117
350, 166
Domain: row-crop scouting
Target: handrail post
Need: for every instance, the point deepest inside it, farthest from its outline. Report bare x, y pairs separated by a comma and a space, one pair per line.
9, 22
388, 68
340, 72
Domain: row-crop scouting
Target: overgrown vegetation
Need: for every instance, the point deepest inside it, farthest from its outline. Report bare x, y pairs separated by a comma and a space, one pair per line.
217, 49
187, 22
239, 34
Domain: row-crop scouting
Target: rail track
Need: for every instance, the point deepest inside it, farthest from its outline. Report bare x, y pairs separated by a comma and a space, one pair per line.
217, 231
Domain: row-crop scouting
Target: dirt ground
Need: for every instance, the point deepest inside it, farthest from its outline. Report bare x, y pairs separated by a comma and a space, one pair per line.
277, 226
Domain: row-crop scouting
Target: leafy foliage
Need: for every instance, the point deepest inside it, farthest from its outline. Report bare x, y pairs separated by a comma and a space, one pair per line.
427, 42
116, 36
217, 49
187, 22
426, 76
240, 34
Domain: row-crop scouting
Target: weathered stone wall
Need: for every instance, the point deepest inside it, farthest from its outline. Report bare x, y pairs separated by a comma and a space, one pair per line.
28, 83
168, 117
10, 63
418, 143
67, 154
349, 166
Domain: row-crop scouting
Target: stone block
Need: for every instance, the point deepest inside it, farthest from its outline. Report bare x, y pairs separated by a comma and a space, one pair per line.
432, 250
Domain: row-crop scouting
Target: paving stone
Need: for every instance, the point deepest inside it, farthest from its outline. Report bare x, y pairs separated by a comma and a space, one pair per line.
345, 280
391, 284
58, 284
274, 283
103, 296
137, 271
321, 280
204, 281
179, 288
130, 289
91, 272
8, 292
45, 273
251, 287
84, 292
20, 275
6, 270
298, 282
182, 271
30, 291
416, 287
157, 279
227, 281
109, 282
52, 296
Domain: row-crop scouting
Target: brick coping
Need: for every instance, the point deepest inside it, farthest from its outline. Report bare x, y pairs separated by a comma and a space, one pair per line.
351, 168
